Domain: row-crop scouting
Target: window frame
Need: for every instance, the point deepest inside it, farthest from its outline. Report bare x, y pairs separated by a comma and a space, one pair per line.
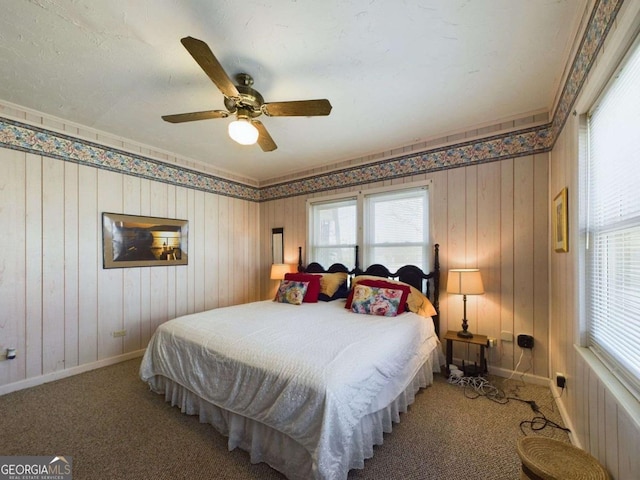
607, 360
311, 249
368, 242
360, 195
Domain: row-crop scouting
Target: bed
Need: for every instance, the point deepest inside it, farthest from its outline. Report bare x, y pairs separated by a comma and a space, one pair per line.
310, 388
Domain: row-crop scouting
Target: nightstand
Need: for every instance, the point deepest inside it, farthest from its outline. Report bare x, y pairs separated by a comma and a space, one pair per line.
480, 340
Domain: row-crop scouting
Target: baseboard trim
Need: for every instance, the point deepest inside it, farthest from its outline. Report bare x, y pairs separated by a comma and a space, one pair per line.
566, 419
68, 372
525, 377
506, 373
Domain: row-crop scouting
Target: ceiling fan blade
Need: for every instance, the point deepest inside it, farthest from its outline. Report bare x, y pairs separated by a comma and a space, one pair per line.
202, 54
264, 139
190, 117
300, 108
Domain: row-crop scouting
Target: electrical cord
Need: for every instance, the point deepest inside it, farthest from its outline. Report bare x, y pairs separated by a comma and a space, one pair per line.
524, 372
540, 422
559, 396
517, 364
475, 387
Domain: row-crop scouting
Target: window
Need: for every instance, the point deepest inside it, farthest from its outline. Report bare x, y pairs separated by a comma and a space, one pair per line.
332, 232
397, 230
613, 225
390, 226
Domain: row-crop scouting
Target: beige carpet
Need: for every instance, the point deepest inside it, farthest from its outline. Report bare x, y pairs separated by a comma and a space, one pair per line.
115, 428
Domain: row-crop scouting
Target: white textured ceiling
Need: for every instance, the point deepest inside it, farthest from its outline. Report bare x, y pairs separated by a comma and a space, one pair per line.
396, 72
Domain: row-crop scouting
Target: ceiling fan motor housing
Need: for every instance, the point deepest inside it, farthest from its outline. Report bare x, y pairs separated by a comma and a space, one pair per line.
250, 100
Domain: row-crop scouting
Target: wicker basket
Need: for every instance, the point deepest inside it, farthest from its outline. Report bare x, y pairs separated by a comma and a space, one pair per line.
547, 459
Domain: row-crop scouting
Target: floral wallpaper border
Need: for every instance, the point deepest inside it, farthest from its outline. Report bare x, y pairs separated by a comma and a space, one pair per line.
19, 136
500, 147
600, 22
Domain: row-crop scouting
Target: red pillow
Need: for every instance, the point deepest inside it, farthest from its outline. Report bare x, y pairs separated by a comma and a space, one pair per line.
313, 290
382, 284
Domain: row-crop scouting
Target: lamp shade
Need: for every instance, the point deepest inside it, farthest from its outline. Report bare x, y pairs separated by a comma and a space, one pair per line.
465, 281
243, 132
279, 270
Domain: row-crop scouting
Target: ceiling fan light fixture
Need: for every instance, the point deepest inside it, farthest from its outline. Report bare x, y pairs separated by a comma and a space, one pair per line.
243, 132
243, 101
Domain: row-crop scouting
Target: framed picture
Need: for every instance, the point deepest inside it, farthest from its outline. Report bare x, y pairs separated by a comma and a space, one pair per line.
560, 227
134, 241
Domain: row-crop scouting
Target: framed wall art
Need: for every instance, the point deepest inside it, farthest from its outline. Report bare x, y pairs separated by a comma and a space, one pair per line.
136, 241
560, 219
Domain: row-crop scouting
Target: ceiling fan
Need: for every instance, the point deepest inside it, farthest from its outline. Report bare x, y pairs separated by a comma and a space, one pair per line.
242, 100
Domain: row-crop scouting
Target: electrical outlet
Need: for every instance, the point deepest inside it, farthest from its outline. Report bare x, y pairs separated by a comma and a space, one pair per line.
7, 353
525, 341
119, 333
561, 380
506, 336
492, 342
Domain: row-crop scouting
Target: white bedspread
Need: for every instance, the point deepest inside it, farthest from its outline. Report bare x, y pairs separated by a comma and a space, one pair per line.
310, 371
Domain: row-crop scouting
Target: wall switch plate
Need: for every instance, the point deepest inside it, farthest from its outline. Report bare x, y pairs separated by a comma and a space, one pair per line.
525, 341
119, 333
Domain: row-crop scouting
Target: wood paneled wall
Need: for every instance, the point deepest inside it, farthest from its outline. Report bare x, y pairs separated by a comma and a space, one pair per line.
493, 216
603, 416
59, 307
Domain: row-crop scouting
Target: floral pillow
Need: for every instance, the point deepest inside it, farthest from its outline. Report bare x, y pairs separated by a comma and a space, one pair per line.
291, 291
380, 283
313, 289
376, 300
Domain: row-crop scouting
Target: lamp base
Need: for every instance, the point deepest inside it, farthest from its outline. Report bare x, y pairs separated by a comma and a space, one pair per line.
465, 334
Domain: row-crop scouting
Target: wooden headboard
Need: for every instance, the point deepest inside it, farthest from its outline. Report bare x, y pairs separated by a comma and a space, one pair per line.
428, 283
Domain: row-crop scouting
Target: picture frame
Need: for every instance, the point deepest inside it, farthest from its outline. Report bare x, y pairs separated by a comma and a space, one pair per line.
139, 241
559, 215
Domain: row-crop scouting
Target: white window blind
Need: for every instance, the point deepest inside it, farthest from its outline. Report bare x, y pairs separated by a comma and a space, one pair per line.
613, 226
397, 230
333, 232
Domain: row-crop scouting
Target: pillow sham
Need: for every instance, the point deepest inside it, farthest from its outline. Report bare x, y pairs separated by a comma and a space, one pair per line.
342, 292
420, 303
330, 283
313, 289
380, 282
376, 300
291, 292
417, 302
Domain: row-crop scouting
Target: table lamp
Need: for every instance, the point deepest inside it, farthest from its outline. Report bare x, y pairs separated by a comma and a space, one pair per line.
279, 270
465, 281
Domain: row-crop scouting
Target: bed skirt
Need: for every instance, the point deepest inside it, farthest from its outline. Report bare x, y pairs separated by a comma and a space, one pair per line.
281, 452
